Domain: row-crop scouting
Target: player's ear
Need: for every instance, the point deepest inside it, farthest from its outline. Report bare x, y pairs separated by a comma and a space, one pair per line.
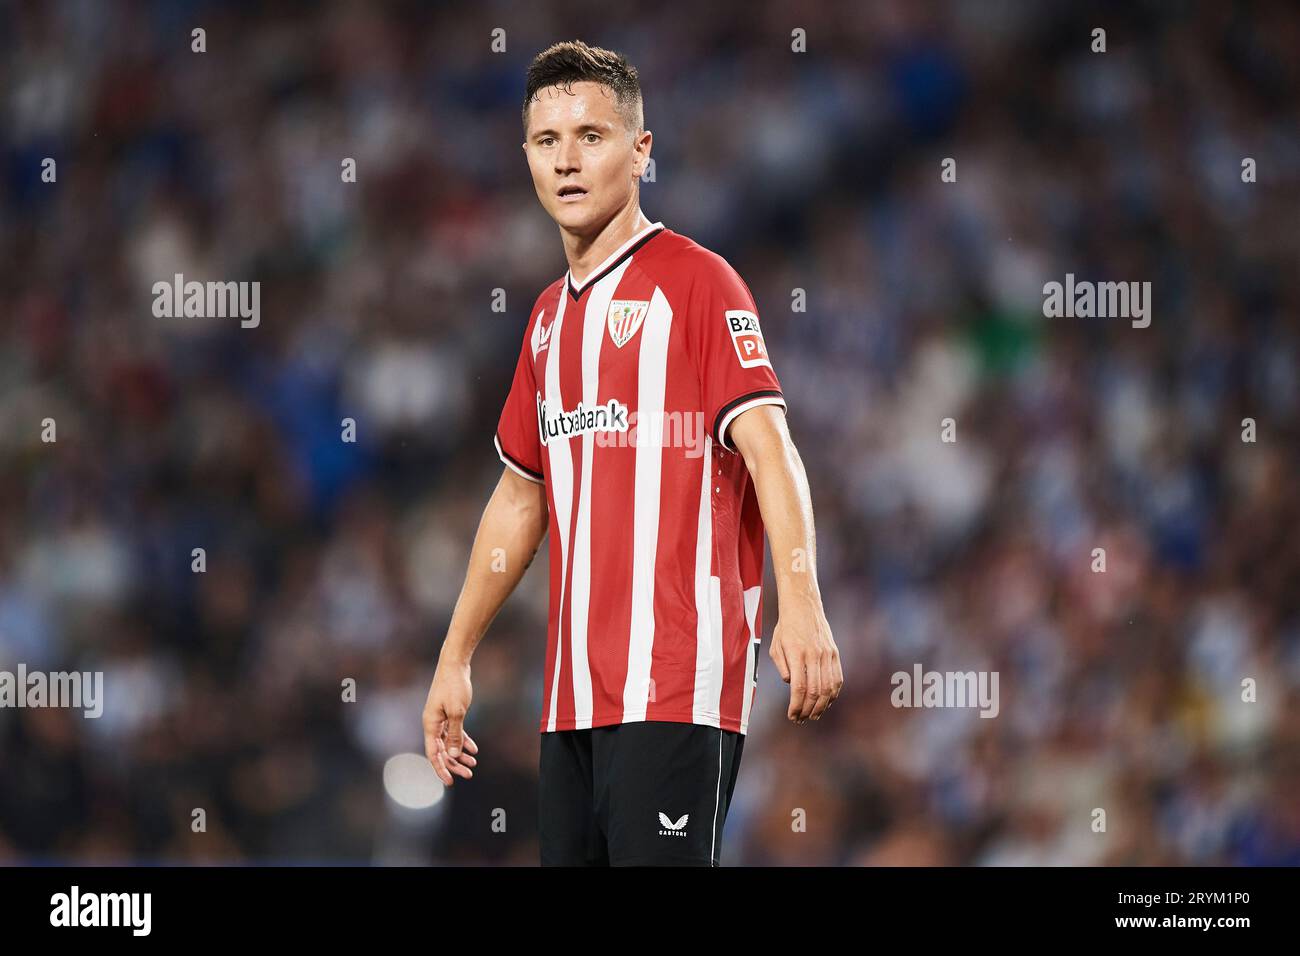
642, 146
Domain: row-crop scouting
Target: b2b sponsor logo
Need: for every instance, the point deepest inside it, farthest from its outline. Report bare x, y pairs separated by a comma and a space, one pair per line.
747, 337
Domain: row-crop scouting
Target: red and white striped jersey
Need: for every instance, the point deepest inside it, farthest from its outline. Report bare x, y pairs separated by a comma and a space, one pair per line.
620, 405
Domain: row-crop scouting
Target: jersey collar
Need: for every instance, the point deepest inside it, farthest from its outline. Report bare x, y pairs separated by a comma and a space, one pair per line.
621, 253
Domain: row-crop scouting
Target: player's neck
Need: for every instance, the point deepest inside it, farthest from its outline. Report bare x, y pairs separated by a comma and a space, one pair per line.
585, 253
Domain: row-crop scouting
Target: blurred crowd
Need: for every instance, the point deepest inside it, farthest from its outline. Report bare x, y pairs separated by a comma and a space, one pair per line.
1164, 690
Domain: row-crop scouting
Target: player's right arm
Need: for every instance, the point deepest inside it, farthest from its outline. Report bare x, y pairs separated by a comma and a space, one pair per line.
509, 534
514, 522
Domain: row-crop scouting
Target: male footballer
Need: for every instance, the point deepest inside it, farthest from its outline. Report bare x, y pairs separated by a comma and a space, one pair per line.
645, 432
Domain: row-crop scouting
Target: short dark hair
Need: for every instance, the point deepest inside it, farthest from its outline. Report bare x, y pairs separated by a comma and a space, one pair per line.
574, 61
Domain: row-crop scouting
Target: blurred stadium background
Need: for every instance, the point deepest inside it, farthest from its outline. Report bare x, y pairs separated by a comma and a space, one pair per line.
820, 172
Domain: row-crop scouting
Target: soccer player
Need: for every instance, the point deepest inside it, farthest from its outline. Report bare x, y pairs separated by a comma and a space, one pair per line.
645, 432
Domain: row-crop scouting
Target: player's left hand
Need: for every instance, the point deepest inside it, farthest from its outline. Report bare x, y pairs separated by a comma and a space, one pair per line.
806, 656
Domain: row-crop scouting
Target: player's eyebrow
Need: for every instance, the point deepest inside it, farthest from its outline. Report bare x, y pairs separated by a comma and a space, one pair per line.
584, 128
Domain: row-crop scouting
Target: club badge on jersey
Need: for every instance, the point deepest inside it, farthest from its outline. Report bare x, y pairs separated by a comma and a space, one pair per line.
624, 318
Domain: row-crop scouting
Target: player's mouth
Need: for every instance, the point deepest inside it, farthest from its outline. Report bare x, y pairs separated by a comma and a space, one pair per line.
571, 193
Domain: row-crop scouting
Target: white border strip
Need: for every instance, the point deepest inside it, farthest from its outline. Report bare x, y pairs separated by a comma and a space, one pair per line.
511, 465
744, 407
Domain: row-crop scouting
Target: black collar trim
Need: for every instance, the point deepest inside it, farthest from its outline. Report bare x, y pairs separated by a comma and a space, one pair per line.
611, 266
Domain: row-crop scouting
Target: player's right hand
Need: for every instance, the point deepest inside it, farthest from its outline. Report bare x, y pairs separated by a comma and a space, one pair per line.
449, 748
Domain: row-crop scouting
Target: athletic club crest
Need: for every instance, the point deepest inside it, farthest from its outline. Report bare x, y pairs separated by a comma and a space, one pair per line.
625, 317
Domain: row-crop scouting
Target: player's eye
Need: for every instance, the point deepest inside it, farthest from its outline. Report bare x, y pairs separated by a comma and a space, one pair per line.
594, 136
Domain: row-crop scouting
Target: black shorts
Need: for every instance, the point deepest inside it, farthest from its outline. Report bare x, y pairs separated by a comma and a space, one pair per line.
648, 793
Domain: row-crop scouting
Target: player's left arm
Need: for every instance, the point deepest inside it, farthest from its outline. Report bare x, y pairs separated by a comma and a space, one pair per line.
802, 646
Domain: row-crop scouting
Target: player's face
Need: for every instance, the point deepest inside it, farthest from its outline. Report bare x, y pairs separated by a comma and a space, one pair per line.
585, 164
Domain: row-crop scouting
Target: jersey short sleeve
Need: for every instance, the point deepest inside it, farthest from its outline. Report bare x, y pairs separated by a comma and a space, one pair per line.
517, 440
735, 369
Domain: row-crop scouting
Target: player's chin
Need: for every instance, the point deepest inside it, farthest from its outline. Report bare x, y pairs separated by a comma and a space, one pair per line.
575, 215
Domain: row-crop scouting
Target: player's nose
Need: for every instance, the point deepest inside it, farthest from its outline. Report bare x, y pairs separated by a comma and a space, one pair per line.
568, 157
